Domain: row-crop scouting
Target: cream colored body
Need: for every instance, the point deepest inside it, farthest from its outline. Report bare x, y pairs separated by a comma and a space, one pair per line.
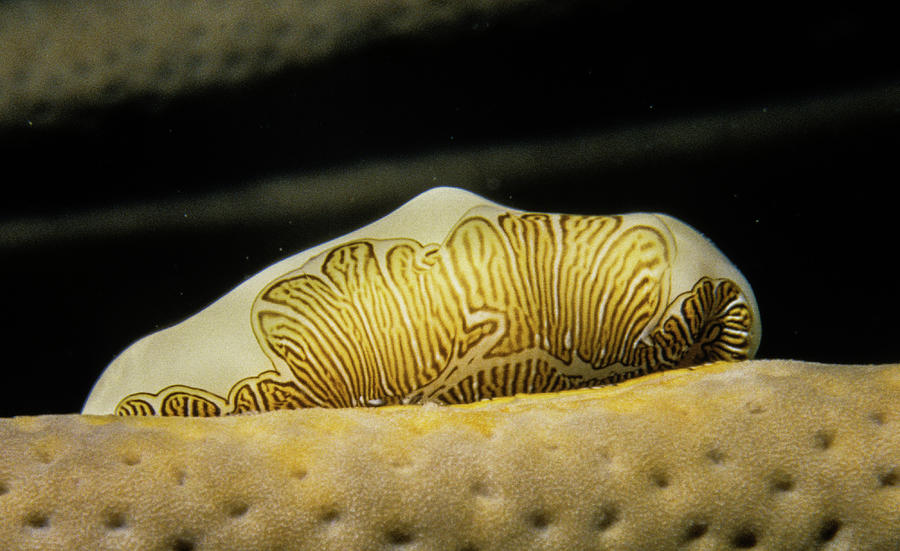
215, 349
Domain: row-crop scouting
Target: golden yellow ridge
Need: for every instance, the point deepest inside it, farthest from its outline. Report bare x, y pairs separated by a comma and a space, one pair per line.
772, 455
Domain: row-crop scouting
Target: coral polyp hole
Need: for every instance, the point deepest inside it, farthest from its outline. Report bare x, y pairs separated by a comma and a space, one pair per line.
823, 439
183, 544
43, 455
716, 456
115, 520
399, 536
131, 459
330, 516
480, 488
745, 539
829, 529
237, 509
3, 488
37, 519
889, 477
539, 519
781, 482
659, 479
695, 530
606, 517
756, 409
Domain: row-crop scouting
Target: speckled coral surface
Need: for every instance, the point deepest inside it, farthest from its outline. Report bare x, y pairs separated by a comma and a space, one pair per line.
764, 455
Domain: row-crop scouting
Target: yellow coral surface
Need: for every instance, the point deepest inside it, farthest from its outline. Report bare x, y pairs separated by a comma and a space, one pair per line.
764, 455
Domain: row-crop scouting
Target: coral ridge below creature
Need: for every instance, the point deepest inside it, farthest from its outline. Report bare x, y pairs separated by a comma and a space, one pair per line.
773, 455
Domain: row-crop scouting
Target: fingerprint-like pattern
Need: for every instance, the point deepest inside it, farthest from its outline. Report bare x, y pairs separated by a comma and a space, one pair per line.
508, 303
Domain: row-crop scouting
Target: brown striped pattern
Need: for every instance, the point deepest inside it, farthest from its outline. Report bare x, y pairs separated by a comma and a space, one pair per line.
508, 304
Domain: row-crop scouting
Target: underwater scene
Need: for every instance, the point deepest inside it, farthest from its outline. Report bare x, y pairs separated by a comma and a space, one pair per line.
515, 275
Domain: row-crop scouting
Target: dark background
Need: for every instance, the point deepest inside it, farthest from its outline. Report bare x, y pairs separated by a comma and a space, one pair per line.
773, 130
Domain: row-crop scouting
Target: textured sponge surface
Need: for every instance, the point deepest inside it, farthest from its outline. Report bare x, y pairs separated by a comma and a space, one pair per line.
755, 455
